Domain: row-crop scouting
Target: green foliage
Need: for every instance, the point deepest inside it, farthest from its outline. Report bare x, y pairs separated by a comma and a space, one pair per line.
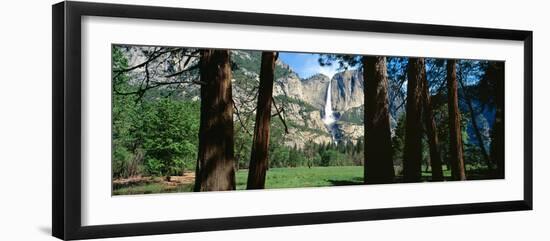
122, 162
164, 131
170, 136
156, 136
472, 154
279, 156
243, 146
127, 156
312, 154
154, 166
343, 61
398, 140
330, 158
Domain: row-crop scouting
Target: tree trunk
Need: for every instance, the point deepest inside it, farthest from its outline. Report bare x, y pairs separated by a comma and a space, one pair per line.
497, 144
260, 144
455, 148
215, 166
412, 158
378, 148
431, 129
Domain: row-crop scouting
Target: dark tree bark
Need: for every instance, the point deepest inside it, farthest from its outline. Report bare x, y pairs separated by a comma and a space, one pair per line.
497, 143
431, 129
215, 166
260, 144
412, 158
455, 129
378, 149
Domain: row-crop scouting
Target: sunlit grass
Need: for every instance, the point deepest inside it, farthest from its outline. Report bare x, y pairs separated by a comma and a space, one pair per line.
294, 177
307, 177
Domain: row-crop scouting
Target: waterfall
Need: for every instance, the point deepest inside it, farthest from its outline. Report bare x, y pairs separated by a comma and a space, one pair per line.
328, 119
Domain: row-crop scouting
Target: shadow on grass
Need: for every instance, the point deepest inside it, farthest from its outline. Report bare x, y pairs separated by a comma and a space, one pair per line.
353, 181
482, 174
472, 174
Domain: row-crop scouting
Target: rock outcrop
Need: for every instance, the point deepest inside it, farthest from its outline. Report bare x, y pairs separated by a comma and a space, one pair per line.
347, 90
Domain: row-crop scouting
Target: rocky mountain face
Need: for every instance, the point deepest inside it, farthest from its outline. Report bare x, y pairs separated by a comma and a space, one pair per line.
315, 90
347, 91
347, 104
303, 101
311, 90
309, 96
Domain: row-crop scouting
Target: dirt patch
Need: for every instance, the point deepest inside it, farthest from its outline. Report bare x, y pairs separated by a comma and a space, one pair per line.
131, 181
171, 181
187, 178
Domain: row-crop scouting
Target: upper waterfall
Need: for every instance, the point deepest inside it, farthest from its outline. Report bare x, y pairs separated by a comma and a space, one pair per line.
328, 119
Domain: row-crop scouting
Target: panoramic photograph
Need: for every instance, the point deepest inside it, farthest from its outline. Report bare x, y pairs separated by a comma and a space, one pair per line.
190, 119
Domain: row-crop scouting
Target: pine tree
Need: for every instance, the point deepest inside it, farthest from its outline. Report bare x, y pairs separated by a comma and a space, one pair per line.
412, 160
456, 146
378, 149
215, 166
260, 144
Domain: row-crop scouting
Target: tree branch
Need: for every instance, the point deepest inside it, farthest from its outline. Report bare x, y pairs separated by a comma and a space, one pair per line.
239, 118
155, 85
279, 114
183, 71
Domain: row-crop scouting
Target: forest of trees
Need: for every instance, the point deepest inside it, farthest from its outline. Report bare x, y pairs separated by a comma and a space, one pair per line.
161, 129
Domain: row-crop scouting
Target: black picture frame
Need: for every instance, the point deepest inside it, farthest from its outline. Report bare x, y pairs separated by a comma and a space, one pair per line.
66, 127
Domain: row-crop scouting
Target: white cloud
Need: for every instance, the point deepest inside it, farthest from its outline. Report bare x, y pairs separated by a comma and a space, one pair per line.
312, 67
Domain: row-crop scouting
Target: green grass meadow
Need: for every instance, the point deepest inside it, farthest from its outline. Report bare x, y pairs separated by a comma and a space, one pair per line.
307, 177
294, 177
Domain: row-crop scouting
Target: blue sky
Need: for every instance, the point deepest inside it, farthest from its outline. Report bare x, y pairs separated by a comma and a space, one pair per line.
306, 64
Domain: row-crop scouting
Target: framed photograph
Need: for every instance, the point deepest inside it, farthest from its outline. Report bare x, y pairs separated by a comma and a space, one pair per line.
170, 120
